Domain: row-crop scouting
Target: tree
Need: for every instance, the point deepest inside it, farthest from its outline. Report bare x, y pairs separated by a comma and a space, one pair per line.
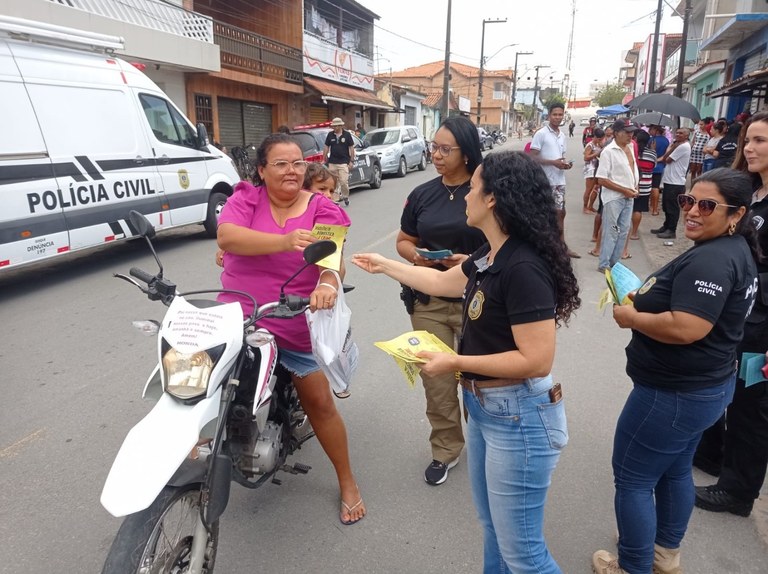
555, 97
610, 95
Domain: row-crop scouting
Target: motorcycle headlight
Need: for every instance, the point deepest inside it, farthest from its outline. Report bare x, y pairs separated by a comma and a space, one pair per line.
187, 375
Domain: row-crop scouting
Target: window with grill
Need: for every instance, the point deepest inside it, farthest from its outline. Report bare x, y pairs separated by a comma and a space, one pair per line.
204, 112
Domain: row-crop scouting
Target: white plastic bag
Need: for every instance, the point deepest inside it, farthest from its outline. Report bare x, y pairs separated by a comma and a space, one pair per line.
330, 331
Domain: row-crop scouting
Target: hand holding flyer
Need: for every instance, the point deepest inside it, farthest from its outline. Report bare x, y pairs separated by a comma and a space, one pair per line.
621, 282
405, 347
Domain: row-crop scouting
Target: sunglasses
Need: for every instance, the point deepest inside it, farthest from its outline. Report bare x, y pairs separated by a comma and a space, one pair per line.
706, 206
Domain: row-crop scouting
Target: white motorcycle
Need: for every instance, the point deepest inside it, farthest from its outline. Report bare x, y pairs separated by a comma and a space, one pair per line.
225, 411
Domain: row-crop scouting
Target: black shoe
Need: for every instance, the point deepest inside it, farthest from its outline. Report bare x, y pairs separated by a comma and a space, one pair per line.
437, 472
711, 467
666, 235
716, 499
661, 229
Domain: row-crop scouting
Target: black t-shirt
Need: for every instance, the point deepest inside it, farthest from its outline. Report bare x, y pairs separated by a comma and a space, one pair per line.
438, 221
716, 281
518, 288
338, 147
726, 148
756, 329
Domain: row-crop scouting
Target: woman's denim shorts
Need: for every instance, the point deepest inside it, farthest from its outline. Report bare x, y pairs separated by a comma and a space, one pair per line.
298, 363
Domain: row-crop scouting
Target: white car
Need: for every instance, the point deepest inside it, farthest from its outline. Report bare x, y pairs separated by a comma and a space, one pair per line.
399, 149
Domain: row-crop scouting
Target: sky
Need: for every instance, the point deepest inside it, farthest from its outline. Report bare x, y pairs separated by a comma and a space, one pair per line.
412, 32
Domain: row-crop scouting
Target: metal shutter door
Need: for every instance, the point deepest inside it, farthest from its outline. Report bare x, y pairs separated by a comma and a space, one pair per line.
230, 123
318, 114
257, 122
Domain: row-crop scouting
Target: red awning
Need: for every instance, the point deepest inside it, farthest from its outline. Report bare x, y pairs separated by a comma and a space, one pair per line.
333, 92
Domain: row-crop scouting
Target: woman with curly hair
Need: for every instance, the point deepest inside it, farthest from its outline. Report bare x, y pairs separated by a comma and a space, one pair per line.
517, 288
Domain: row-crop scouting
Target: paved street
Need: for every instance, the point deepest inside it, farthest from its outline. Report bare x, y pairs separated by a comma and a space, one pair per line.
73, 370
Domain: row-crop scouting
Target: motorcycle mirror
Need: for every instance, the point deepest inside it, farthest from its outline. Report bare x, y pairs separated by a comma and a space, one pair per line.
319, 250
312, 254
141, 224
145, 229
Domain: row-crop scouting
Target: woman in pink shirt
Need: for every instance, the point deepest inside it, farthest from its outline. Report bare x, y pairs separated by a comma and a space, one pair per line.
263, 231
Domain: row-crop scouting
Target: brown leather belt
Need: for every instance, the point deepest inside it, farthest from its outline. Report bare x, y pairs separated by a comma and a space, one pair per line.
474, 386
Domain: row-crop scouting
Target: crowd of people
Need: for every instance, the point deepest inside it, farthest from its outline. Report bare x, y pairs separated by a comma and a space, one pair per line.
507, 285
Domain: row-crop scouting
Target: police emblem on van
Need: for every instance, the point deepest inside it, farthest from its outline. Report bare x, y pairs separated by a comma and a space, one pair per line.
183, 178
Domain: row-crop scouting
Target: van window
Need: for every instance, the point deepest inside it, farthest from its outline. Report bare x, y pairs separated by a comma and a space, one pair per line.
166, 123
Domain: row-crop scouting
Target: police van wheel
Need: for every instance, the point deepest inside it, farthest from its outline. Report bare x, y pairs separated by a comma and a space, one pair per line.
215, 205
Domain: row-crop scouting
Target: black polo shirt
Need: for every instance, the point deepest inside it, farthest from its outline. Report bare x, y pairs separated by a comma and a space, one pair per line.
715, 280
518, 288
338, 147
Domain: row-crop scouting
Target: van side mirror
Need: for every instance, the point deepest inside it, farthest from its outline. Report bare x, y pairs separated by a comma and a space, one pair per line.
202, 135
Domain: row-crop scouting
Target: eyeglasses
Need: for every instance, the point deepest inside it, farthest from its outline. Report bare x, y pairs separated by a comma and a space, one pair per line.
283, 166
706, 206
445, 150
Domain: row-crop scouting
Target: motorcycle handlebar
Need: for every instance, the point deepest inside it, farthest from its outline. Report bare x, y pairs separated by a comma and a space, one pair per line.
141, 275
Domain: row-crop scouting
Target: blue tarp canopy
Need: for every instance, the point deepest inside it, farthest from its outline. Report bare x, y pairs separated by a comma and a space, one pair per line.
613, 110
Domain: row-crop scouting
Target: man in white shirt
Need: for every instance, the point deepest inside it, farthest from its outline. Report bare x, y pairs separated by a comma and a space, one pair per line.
676, 158
619, 177
548, 148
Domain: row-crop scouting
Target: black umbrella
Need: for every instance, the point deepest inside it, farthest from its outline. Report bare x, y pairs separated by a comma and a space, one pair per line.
653, 119
667, 104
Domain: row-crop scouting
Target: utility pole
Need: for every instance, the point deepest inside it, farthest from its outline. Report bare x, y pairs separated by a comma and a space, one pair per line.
651, 87
482, 63
447, 66
683, 50
569, 57
514, 89
536, 92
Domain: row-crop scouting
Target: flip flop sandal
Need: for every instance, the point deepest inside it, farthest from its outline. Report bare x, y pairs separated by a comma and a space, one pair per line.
348, 509
592, 253
342, 394
627, 256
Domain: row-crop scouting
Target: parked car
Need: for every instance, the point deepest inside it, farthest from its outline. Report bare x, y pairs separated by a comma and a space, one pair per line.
584, 122
367, 167
486, 139
399, 149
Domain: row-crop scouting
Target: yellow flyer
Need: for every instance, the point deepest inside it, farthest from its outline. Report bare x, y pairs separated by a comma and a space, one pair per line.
335, 233
405, 347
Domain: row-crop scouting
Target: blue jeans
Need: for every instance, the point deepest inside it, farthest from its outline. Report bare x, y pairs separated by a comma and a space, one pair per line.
656, 436
708, 164
617, 217
514, 438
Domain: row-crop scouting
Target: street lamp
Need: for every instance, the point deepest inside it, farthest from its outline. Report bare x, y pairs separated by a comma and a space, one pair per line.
514, 87
482, 62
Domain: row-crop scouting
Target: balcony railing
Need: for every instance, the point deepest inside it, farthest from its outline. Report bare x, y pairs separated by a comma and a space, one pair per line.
150, 14
243, 50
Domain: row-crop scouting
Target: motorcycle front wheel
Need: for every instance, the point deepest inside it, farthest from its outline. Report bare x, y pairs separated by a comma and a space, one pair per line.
158, 540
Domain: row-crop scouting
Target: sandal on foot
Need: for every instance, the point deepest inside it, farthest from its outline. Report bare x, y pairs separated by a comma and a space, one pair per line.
342, 394
593, 253
627, 256
348, 510
634, 237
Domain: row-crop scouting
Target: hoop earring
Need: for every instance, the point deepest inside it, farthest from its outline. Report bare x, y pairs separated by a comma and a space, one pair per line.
732, 228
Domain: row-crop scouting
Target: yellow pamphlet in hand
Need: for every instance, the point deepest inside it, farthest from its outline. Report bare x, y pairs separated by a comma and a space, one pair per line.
405, 347
335, 233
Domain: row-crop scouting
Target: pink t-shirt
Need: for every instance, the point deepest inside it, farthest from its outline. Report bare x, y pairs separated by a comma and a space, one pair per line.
262, 275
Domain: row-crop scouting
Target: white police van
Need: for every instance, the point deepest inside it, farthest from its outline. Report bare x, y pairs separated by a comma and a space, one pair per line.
87, 138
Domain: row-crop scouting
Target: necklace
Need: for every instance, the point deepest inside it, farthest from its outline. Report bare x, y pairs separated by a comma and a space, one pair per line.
456, 188
756, 196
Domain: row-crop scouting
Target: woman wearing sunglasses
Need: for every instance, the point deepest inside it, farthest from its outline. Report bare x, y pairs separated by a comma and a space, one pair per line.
686, 321
434, 218
736, 447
